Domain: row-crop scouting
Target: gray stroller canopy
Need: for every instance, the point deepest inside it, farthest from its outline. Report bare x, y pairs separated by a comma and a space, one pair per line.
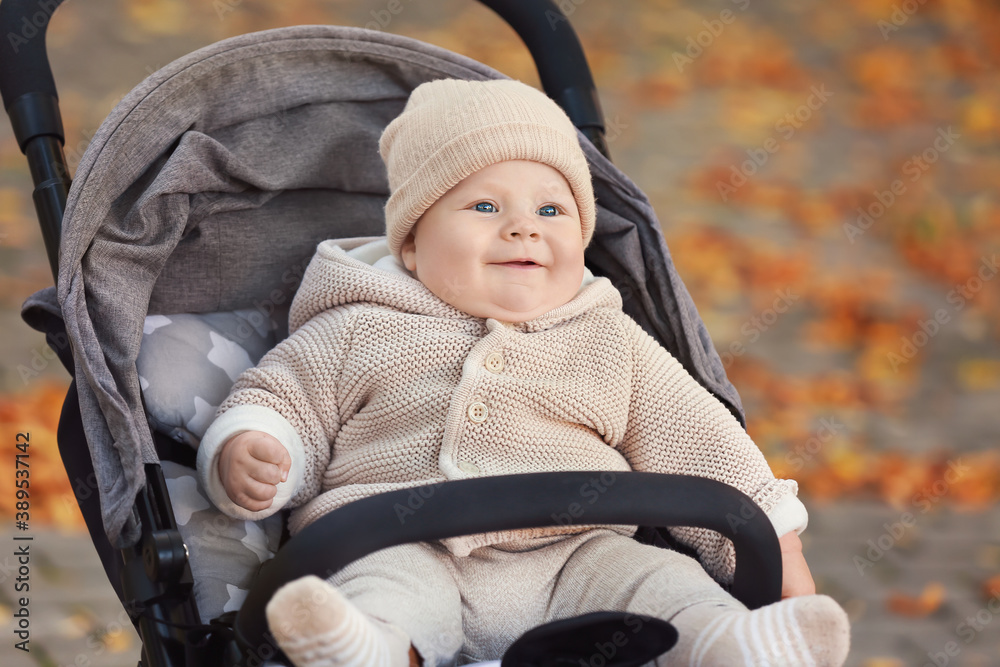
208, 187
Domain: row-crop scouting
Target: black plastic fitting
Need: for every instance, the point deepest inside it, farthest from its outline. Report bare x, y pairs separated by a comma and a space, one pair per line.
164, 555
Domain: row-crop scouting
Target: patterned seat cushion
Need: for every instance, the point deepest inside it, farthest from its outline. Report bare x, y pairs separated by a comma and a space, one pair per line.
225, 553
187, 364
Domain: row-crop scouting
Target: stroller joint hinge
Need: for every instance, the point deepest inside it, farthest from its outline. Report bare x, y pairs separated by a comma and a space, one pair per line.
164, 555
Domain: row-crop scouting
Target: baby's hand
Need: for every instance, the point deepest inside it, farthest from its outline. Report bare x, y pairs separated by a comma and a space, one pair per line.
251, 464
795, 576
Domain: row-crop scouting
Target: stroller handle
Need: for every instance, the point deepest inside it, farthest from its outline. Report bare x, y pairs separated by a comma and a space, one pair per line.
29, 96
30, 99
511, 502
29, 90
561, 62
554, 46
26, 83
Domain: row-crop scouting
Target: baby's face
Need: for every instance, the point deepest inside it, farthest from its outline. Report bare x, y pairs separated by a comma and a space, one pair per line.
504, 243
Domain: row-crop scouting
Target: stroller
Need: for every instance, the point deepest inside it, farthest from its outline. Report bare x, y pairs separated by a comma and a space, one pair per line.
206, 191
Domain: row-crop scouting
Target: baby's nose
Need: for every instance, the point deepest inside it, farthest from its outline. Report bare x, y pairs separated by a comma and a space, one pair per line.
522, 225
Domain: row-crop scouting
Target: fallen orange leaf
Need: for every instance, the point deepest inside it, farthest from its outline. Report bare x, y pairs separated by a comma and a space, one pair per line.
991, 589
883, 662
917, 607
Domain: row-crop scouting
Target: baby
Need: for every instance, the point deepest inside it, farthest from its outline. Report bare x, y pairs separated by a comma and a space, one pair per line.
473, 341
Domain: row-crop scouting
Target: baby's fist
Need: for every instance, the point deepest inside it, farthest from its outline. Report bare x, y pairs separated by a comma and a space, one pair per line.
796, 579
251, 465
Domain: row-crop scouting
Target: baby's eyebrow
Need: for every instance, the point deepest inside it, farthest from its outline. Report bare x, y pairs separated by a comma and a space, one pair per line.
556, 186
540, 191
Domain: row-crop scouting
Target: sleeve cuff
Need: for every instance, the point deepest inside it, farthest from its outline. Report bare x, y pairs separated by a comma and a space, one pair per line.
788, 515
237, 420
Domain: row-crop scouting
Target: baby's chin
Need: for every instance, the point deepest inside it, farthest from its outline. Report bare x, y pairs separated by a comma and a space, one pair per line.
514, 310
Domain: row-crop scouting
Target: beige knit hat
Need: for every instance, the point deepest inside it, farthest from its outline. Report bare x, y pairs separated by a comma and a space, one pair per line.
452, 128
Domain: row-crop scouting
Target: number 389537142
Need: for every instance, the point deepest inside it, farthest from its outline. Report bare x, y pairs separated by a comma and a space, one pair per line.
21, 472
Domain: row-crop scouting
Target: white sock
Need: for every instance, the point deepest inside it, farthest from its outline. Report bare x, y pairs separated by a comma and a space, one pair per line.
807, 631
316, 626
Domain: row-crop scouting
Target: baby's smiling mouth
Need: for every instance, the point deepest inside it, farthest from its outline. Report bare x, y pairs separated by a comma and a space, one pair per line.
520, 264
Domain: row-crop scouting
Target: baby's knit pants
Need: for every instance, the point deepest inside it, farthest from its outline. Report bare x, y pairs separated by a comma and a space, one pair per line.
457, 610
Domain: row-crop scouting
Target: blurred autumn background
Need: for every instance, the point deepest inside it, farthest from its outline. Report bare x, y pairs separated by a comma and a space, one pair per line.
825, 174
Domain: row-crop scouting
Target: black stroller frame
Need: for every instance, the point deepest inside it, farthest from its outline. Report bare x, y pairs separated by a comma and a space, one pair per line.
153, 577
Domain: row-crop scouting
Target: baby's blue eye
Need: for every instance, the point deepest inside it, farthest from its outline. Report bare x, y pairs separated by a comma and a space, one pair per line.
548, 210
487, 207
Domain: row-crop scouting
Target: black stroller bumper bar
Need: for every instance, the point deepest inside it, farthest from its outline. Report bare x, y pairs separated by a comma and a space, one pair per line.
512, 502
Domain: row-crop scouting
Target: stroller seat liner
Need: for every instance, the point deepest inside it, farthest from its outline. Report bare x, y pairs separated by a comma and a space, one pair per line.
225, 553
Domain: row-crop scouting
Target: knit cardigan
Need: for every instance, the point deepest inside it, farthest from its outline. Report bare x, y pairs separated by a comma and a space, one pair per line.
383, 386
